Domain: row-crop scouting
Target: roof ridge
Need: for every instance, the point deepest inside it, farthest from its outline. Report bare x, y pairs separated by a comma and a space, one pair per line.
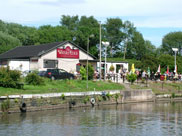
39, 44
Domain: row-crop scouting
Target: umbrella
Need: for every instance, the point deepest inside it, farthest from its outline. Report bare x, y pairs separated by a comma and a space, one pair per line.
159, 69
148, 71
133, 68
167, 72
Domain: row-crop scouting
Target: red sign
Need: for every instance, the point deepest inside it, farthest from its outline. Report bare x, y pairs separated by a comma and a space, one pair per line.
68, 53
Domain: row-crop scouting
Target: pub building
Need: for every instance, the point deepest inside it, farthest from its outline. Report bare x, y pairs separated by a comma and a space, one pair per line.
62, 55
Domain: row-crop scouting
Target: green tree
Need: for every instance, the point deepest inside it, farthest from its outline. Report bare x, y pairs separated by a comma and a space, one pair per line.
172, 40
7, 42
114, 34
48, 34
81, 29
136, 48
150, 49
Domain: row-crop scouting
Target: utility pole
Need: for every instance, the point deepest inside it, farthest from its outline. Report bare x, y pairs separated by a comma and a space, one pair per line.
100, 54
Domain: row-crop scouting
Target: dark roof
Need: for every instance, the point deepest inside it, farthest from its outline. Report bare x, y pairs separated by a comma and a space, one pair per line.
22, 52
96, 60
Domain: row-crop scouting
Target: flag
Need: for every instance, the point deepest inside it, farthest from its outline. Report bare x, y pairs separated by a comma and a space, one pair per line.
159, 69
133, 68
167, 72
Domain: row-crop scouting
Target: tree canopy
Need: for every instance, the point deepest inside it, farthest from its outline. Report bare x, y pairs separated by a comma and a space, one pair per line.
124, 38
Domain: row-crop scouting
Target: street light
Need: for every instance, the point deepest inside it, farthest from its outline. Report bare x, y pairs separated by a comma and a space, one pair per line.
87, 56
100, 52
106, 44
175, 51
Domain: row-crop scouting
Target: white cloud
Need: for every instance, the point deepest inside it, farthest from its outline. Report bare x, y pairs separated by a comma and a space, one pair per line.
152, 13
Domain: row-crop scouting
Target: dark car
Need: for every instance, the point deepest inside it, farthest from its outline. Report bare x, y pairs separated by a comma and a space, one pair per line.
56, 74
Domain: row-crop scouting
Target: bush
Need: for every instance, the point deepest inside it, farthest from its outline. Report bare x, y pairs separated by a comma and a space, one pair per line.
131, 77
5, 105
34, 79
63, 97
108, 95
111, 68
9, 78
86, 99
83, 72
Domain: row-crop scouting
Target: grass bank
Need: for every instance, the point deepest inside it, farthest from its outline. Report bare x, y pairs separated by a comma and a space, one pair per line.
161, 87
58, 86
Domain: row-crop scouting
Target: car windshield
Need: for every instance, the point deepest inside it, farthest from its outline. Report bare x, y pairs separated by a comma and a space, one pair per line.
61, 70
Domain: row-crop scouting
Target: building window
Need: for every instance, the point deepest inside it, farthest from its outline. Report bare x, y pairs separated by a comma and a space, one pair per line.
50, 63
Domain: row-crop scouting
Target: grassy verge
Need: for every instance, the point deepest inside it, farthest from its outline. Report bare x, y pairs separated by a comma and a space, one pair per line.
161, 87
62, 86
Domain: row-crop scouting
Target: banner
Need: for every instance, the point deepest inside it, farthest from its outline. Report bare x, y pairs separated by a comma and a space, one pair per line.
68, 53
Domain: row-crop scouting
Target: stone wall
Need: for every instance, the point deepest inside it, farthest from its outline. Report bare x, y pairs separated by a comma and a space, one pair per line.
138, 95
72, 100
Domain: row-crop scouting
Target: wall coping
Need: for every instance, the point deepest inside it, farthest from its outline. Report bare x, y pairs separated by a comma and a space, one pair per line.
48, 95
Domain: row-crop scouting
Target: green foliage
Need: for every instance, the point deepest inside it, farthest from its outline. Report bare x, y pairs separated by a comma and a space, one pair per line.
16, 100
108, 95
90, 72
173, 95
83, 72
99, 98
131, 77
116, 96
5, 105
136, 47
86, 99
63, 97
34, 79
7, 42
111, 68
9, 78
171, 40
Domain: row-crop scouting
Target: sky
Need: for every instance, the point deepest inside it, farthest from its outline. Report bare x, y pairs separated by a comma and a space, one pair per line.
153, 18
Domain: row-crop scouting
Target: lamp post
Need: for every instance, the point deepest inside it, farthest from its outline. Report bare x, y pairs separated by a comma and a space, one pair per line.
175, 51
100, 52
88, 40
106, 44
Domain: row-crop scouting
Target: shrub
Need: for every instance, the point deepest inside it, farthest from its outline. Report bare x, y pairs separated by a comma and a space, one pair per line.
99, 98
173, 95
86, 99
116, 96
90, 72
111, 68
9, 78
63, 97
34, 79
131, 77
83, 72
108, 95
5, 105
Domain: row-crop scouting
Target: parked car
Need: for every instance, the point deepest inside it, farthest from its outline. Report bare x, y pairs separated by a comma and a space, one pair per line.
26, 72
42, 73
56, 74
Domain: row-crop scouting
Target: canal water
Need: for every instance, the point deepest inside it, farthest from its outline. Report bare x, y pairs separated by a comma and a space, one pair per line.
141, 119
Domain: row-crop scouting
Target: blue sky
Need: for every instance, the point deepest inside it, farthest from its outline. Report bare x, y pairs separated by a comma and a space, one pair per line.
153, 18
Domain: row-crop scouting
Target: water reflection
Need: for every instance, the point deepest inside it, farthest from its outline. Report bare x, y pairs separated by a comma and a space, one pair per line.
128, 119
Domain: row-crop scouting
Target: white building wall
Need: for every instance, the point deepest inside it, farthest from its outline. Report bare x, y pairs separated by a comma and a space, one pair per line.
34, 65
63, 63
125, 65
21, 65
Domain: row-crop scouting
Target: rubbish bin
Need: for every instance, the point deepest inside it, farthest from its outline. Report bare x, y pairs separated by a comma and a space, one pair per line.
162, 77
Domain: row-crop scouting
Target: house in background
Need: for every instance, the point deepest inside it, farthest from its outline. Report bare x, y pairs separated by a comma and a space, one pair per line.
63, 55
